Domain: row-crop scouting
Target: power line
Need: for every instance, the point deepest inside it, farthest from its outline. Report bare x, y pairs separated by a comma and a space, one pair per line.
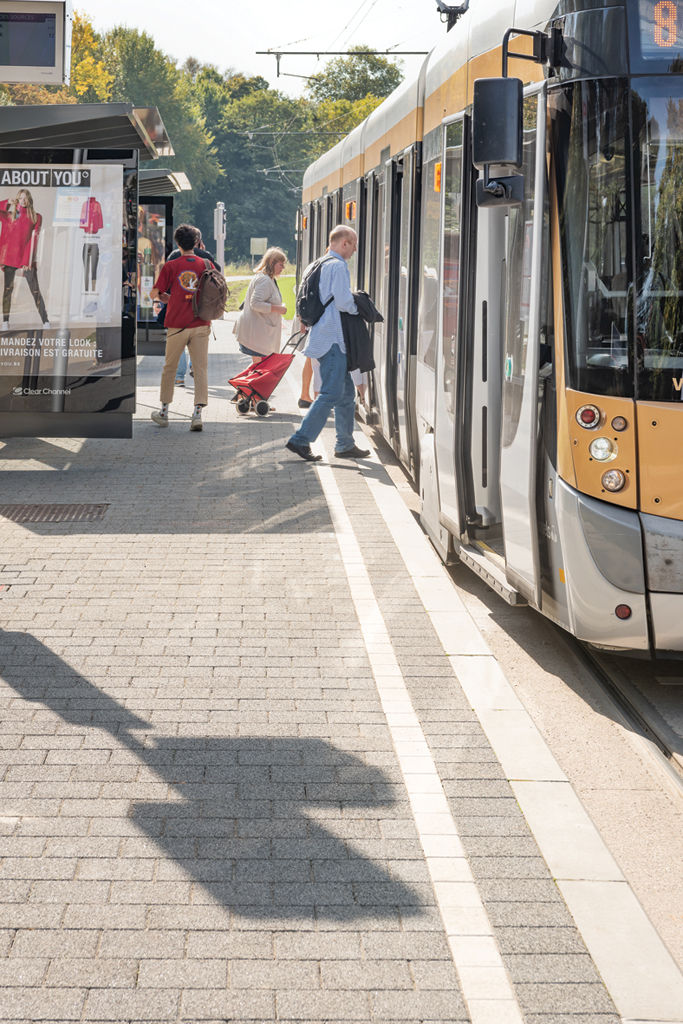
279, 54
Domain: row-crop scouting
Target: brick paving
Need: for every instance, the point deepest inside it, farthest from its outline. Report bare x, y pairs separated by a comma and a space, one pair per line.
201, 814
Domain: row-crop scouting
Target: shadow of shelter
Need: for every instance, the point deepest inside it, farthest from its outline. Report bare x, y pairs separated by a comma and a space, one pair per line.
240, 815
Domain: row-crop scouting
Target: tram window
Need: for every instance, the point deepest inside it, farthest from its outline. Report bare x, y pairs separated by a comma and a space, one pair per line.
589, 139
430, 248
452, 185
518, 290
657, 106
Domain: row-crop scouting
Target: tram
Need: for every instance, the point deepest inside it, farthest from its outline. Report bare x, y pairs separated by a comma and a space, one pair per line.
530, 364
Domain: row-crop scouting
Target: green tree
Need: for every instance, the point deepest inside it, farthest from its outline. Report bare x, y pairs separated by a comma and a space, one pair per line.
143, 75
357, 76
250, 138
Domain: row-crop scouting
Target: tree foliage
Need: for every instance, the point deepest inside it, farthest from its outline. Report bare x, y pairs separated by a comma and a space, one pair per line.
238, 140
355, 77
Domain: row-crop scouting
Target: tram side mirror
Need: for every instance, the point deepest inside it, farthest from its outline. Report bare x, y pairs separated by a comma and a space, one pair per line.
497, 139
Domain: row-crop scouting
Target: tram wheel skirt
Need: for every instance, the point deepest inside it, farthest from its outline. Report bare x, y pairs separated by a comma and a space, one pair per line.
66, 424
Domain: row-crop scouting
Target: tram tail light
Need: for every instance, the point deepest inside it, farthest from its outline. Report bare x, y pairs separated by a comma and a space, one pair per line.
588, 417
613, 480
622, 611
619, 423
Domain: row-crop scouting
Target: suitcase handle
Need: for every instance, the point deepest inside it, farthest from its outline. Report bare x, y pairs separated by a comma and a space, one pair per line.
300, 335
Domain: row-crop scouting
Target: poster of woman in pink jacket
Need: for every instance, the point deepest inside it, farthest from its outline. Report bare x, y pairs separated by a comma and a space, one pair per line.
20, 225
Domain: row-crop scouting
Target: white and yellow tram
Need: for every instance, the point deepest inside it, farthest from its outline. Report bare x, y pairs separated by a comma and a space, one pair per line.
530, 367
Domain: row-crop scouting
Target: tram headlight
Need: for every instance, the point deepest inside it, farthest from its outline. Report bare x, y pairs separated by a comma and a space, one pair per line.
602, 449
613, 480
588, 417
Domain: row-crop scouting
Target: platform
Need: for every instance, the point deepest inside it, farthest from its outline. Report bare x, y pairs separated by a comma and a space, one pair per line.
259, 763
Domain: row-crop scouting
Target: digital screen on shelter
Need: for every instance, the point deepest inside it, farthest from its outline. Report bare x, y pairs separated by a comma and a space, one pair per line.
661, 28
27, 40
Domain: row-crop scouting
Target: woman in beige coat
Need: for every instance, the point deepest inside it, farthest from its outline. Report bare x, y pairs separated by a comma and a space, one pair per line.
259, 327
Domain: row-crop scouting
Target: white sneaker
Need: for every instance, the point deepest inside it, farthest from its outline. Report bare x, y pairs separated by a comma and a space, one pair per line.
196, 423
160, 419
47, 326
5, 325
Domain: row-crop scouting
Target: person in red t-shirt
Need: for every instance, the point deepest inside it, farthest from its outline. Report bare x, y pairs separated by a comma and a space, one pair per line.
176, 285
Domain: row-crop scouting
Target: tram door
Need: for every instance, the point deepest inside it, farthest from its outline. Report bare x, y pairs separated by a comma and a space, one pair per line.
524, 277
449, 178
379, 261
404, 271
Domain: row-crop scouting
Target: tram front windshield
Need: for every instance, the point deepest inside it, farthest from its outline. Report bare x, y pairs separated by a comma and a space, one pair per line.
622, 261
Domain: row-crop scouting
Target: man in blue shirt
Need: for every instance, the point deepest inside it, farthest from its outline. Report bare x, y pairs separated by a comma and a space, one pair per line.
326, 344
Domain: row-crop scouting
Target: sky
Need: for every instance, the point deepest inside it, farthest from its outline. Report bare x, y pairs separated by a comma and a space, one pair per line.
226, 34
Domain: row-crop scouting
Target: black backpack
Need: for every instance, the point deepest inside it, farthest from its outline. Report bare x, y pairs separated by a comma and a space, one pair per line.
309, 306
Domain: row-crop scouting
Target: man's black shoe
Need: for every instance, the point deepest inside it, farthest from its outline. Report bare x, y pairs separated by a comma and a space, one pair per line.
304, 453
352, 453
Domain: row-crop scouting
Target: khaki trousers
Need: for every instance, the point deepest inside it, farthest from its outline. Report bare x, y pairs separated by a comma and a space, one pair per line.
197, 341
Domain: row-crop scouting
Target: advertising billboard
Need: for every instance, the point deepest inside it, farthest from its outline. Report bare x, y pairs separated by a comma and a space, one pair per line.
61, 230
68, 283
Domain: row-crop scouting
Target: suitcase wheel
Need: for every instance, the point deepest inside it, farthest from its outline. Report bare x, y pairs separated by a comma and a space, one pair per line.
262, 408
243, 406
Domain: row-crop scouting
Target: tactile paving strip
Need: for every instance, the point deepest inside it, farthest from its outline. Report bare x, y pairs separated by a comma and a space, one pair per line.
53, 513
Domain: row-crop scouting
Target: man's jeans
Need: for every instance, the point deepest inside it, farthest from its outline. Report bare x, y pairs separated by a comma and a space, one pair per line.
337, 392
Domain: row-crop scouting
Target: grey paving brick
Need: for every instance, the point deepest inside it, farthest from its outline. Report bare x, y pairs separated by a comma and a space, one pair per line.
428, 1004
563, 998
548, 967
157, 945
35, 1004
92, 973
55, 943
368, 974
183, 974
22, 971
335, 946
198, 1004
307, 1005
121, 1004
271, 974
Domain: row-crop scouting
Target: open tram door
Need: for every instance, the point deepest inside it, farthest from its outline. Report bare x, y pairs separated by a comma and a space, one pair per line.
494, 273
526, 289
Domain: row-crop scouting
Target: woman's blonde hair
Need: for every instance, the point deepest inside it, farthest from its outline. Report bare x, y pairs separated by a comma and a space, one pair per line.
267, 264
30, 208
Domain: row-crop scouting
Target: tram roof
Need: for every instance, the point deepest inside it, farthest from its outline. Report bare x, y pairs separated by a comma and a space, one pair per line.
472, 49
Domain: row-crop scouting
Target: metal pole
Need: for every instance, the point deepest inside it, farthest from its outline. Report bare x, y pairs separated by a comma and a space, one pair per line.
63, 335
219, 233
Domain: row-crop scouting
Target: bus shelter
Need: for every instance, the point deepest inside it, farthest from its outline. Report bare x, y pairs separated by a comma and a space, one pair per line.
157, 188
69, 178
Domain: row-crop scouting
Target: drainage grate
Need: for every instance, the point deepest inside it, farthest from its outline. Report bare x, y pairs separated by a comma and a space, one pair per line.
52, 513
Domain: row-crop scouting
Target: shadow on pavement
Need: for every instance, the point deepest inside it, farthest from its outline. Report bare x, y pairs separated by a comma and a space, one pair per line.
240, 814
233, 478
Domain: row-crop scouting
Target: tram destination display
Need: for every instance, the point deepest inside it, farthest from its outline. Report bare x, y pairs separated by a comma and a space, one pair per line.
661, 28
61, 232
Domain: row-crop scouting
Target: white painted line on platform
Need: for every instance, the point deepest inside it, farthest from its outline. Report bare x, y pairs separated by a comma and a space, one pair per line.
639, 973
486, 987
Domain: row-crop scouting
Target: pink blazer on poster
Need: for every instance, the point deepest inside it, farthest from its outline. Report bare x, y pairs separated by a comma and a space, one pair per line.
18, 238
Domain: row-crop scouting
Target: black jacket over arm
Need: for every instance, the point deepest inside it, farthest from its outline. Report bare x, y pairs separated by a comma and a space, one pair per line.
356, 336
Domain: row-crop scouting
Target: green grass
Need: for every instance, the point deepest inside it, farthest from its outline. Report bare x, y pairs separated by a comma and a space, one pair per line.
287, 288
238, 290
